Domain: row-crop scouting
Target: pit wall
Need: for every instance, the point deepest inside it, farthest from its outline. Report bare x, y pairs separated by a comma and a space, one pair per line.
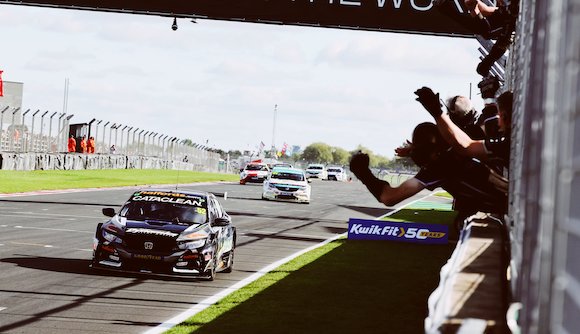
75, 161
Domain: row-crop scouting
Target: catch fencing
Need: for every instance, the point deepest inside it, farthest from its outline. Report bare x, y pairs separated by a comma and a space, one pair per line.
43, 132
544, 216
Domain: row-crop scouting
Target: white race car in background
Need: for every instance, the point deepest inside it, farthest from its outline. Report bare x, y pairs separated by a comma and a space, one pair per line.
288, 184
336, 174
255, 172
316, 171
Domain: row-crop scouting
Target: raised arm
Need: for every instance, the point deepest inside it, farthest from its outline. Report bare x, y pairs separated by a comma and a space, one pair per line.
452, 134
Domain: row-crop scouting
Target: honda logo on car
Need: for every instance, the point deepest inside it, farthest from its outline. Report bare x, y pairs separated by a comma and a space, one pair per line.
362, 229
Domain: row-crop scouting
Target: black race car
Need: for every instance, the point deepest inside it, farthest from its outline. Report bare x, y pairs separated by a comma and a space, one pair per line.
167, 232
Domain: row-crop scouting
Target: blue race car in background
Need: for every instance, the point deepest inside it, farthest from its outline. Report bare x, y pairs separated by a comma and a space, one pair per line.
167, 232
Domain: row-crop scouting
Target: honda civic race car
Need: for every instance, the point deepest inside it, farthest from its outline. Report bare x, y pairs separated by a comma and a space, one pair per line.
288, 184
254, 172
336, 173
316, 171
167, 232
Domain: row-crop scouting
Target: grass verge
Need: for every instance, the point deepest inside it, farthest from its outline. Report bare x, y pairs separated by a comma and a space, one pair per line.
21, 181
343, 287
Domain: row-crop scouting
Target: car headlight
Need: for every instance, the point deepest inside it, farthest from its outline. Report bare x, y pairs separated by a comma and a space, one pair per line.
271, 186
192, 240
110, 237
195, 244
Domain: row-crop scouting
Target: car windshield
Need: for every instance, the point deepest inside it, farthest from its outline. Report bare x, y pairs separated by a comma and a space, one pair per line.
182, 214
256, 167
287, 176
315, 167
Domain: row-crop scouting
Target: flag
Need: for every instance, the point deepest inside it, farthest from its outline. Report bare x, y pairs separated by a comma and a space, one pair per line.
284, 148
1, 91
261, 147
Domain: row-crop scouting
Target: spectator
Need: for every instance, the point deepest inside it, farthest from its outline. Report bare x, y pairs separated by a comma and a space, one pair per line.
91, 145
72, 144
476, 185
495, 147
84, 144
463, 114
113, 149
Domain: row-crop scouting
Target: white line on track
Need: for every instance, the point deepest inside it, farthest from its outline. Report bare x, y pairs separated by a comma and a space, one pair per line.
215, 298
2, 308
49, 229
48, 246
57, 215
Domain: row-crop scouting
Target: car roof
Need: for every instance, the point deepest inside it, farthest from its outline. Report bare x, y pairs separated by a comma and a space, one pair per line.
288, 170
197, 193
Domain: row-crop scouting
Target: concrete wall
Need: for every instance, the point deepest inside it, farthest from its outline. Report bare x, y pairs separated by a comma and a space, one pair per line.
75, 161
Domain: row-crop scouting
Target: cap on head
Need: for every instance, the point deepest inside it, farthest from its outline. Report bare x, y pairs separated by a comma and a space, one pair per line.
461, 110
427, 143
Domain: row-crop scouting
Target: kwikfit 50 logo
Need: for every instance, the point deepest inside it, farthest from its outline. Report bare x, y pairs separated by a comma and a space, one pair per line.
362, 229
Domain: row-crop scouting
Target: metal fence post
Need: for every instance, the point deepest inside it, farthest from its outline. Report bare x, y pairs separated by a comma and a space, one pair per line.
21, 140
42, 130
49, 139
15, 110
2, 125
60, 132
31, 141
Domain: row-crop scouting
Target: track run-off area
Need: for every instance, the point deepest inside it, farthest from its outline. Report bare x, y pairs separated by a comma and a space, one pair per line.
46, 285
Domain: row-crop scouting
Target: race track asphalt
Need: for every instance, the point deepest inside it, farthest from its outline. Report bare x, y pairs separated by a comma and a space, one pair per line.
46, 285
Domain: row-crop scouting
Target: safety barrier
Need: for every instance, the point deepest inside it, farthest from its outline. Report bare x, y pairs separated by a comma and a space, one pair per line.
74, 161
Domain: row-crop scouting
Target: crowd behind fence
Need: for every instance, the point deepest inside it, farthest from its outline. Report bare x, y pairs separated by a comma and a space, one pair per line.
48, 132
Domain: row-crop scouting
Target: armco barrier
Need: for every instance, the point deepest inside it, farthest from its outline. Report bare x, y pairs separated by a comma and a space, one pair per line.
74, 161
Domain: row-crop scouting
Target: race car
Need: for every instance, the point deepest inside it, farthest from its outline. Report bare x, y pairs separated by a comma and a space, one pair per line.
316, 171
167, 232
336, 174
287, 184
254, 172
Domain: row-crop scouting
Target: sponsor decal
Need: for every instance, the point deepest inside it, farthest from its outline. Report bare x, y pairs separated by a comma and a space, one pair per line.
147, 231
364, 229
193, 201
148, 245
147, 257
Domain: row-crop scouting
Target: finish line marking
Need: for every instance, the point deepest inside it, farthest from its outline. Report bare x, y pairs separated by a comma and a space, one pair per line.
202, 305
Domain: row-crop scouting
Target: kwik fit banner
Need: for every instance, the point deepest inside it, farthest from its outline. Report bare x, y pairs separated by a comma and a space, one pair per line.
364, 229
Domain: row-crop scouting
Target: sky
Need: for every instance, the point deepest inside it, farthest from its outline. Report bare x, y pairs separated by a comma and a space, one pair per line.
219, 81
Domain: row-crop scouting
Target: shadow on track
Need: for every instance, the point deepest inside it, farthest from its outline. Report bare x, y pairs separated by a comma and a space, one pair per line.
371, 211
82, 267
55, 202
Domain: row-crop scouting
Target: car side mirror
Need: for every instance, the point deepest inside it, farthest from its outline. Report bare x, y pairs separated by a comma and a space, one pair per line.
109, 212
221, 221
